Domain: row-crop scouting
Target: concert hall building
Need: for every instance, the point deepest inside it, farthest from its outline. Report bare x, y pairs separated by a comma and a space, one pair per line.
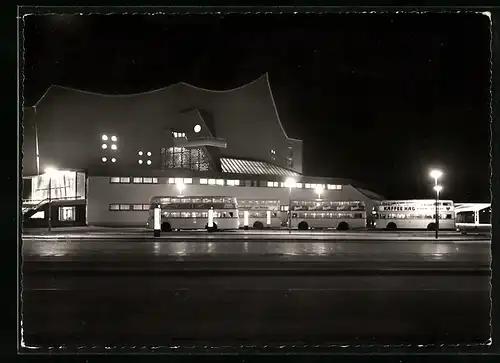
111, 153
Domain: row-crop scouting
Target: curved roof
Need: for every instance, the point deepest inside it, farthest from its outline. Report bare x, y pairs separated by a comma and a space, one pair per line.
265, 77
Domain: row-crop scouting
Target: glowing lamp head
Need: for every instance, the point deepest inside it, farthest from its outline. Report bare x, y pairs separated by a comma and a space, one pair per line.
197, 128
290, 183
438, 188
50, 170
436, 174
180, 187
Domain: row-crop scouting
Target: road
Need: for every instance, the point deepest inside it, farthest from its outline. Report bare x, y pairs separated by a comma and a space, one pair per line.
138, 292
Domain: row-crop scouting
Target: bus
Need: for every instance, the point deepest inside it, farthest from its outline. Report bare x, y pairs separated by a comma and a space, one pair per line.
473, 217
261, 213
188, 213
414, 214
325, 214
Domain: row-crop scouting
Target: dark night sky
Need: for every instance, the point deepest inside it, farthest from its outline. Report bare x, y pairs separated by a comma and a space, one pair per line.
377, 98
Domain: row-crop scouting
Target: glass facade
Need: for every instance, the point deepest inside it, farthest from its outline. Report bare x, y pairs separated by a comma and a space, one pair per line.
66, 185
181, 158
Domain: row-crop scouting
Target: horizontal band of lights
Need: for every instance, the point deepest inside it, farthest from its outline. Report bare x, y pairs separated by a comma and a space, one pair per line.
129, 207
180, 180
328, 215
134, 180
220, 182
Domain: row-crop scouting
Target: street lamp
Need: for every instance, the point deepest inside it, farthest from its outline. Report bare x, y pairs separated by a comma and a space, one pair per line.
50, 172
438, 189
319, 190
436, 174
180, 187
290, 183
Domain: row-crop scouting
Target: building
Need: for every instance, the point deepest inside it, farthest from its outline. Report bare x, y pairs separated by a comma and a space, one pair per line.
114, 152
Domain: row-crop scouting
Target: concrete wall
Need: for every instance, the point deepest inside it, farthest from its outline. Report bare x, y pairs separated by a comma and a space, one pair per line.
101, 193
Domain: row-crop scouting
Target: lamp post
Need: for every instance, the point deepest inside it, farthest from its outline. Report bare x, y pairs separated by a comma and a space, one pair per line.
290, 183
180, 187
319, 190
436, 174
437, 188
50, 172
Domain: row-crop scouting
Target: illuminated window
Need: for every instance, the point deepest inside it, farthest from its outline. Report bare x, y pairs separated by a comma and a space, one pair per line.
230, 182
124, 206
125, 179
137, 180
203, 181
197, 128
114, 179
179, 180
113, 160
275, 184
114, 138
236, 182
114, 147
270, 184
67, 213
104, 137
147, 180
308, 185
104, 146
188, 181
155, 180
298, 185
104, 159
114, 207
140, 161
220, 181
171, 181
137, 207
38, 215
211, 181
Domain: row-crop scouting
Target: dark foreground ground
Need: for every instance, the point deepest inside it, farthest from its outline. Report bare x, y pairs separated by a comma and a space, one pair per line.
185, 293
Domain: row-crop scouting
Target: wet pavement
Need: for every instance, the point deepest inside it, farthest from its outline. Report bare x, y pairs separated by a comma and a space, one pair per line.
97, 292
474, 252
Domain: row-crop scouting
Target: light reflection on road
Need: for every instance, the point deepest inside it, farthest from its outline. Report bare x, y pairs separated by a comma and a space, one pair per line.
75, 249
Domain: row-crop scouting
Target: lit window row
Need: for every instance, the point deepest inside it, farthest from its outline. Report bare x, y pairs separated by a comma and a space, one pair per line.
129, 207
179, 134
105, 159
219, 182
135, 180
144, 180
180, 181
334, 187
